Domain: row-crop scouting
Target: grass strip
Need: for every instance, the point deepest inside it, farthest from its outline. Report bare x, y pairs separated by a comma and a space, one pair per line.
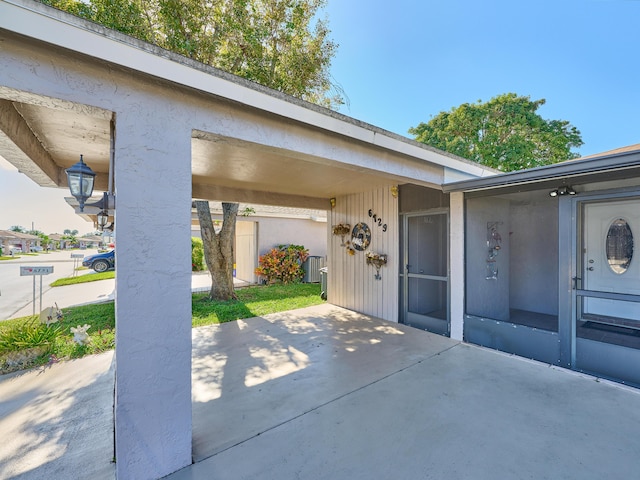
90, 277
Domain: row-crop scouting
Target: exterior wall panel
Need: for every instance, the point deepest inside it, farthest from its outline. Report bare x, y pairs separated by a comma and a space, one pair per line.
351, 282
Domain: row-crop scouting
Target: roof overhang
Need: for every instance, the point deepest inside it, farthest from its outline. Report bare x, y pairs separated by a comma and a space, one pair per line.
596, 168
318, 154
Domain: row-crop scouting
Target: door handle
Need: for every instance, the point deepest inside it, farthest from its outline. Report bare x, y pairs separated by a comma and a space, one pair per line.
575, 282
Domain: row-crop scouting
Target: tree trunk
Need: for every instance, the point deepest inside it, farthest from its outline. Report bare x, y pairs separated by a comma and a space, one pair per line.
218, 248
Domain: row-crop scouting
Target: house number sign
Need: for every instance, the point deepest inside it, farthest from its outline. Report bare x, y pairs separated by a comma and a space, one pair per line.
377, 220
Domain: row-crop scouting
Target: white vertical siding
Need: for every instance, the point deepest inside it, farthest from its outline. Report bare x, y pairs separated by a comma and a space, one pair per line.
351, 282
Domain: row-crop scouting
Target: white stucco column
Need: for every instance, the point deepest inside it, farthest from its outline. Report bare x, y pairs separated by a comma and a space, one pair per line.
456, 239
153, 293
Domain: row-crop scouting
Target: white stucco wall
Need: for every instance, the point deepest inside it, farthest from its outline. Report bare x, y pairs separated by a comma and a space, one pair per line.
277, 231
153, 335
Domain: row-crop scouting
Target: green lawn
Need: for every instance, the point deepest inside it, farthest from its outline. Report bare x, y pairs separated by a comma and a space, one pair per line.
21, 333
254, 302
89, 277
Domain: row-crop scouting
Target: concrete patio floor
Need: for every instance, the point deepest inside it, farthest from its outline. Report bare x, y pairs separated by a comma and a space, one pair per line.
326, 393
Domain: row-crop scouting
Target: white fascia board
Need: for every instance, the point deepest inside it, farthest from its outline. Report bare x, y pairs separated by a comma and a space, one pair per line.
45, 24
414, 149
456, 175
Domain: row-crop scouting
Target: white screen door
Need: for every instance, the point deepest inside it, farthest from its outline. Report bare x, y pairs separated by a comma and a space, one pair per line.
426, 276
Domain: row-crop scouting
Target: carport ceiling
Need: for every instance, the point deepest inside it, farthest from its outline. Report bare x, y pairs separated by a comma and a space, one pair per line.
43, 137
247, 166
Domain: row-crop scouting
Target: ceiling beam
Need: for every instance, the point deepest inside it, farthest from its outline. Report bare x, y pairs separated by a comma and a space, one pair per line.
23, 149
226, 194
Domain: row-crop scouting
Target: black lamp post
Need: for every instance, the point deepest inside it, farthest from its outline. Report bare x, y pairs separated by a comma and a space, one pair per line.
80, 179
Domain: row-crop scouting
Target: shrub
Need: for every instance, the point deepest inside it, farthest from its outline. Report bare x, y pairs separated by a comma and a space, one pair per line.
21, 344
283, 264
197, 254
20, 336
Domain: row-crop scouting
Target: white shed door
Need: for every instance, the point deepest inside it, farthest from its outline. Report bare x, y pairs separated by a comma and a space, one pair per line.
246, 251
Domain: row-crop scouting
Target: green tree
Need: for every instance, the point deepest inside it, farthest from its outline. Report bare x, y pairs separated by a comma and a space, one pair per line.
281, 44
505, 133
17, 228
44, 240
218, 248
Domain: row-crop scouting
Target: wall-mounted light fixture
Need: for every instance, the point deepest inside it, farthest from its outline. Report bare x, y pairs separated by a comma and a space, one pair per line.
102, 219
394, 191
332, 200
81, 178
562, 190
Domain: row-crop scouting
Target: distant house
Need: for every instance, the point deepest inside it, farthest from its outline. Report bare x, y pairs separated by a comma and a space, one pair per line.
264, 227
58, 241
13, 240
90, 241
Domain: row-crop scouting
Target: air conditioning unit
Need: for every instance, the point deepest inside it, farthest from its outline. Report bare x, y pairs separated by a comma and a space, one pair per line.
312, 266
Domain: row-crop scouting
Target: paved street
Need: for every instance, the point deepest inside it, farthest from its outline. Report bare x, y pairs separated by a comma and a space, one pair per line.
16, 292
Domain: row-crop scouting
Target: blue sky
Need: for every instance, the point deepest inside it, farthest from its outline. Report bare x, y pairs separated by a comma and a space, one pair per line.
402, 61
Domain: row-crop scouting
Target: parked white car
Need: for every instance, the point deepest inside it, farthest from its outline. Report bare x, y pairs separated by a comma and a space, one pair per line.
14, 250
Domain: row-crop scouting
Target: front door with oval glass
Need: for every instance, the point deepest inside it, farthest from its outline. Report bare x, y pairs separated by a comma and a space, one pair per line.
611, 262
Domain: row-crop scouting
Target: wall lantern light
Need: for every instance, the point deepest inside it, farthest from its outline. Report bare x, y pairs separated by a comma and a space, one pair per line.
332, 201
103, 219
561, 191
394, 191
80, 179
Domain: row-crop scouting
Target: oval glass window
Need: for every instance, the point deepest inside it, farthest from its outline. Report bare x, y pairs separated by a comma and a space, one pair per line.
619, 246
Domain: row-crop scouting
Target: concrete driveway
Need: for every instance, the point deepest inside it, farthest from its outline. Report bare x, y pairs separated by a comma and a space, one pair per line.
326, 393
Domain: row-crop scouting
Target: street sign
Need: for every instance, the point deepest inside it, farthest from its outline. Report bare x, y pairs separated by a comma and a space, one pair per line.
77, 255
26, 271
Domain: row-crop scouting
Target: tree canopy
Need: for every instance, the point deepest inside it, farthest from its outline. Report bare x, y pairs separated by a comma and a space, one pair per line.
281, 44
504, 133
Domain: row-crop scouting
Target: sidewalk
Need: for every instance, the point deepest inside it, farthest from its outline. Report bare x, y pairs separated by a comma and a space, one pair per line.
57, 421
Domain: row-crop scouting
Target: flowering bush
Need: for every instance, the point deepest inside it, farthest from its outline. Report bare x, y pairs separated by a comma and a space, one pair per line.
283, 264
